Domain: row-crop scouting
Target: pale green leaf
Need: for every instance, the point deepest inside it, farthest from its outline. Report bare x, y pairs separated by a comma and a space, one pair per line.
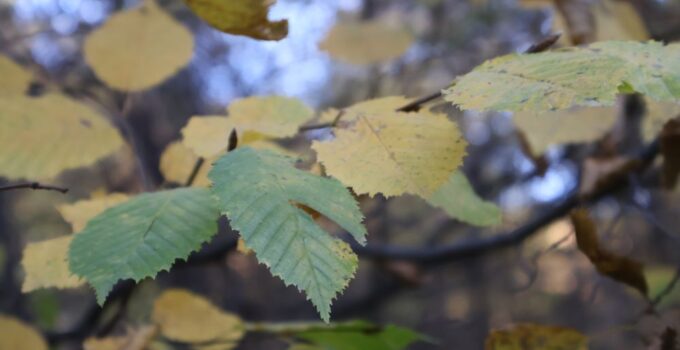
459, 200
142, 236
257, 191
589, 76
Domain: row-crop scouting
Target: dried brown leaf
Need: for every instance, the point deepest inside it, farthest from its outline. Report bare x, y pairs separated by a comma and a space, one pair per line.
620, 268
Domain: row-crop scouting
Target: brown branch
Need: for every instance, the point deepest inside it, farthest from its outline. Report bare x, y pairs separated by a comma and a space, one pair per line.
194, 171
477, 247
33, 186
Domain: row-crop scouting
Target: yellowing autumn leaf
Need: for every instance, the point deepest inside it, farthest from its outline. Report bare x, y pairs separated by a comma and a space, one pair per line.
139, 48
273, 116
574, 125
15, 79
16, 335
44, 136
366, 42
618, 20
189, 318
80, 212
46, 266
393, 153
534, 337
177, 162
240, 17
583, 76
658, 113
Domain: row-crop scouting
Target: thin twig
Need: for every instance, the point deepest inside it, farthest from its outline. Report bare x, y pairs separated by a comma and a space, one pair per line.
666, 290
33, 186
480, 246
544, 44
417, 104
326, 125
194, 171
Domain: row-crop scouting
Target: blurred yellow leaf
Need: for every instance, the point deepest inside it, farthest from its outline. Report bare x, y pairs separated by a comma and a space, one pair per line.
44, 136
573, 125
273, 116
134, 339
393, 153
366, 42
177, 162
255, 119
618, 20
613, 20
139, 48
241, 17
536, 337
80, 212
189, 318
207, 136
658, 113
15, 79
16, 335
46, 265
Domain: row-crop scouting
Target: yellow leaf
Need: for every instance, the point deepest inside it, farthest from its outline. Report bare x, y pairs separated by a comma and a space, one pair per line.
135, 339
394, 153
177, 162
46, 265
139, 48
15, 79
618, 20
190, 318
44, 136
577, 124
658, 113
366, 42
273, 116
16, 335
534, 337
80, 212
208, 136
241, 17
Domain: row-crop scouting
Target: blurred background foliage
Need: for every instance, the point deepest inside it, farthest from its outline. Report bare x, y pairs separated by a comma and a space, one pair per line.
544, 280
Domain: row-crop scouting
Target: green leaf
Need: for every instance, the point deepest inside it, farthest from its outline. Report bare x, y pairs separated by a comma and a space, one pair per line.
459, 200
360, 335
257, 190
588, 76
140, 237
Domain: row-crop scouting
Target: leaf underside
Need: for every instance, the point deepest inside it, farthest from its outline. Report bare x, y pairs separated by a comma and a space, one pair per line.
143, 236
257, 190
